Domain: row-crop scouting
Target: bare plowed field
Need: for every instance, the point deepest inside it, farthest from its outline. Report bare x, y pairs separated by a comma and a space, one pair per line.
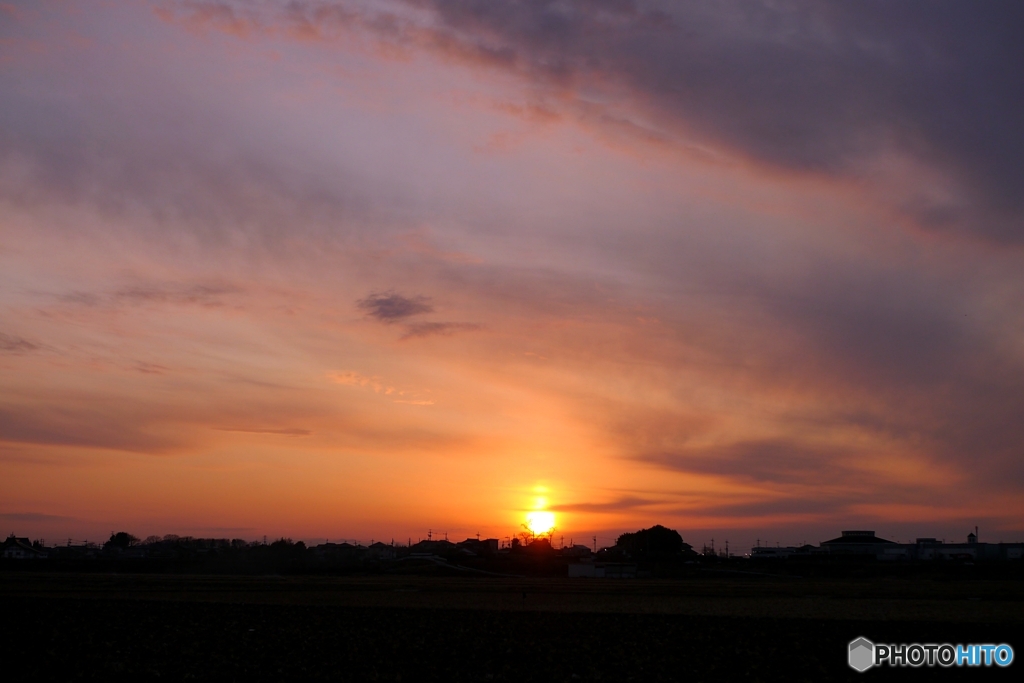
252, 629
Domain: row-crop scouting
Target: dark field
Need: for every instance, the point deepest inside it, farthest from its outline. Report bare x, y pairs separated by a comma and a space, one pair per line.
115, 627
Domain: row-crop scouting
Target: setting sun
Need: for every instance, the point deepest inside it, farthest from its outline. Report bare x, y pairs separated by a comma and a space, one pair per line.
540, 522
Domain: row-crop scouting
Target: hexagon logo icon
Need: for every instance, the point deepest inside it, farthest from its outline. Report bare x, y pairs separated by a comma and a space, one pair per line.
862, 654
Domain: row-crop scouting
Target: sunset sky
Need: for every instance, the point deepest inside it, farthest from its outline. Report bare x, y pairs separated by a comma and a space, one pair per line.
361, 269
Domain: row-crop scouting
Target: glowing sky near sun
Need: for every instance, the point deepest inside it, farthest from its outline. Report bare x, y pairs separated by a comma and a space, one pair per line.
366, 268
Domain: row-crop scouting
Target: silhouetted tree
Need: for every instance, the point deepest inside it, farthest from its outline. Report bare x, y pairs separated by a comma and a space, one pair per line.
121, 541
286, 549
657, 542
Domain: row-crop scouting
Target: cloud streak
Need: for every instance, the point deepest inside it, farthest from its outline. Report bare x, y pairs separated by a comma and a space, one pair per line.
34, 517
436, 329
624, 504
774, 461
13, 344
282, 431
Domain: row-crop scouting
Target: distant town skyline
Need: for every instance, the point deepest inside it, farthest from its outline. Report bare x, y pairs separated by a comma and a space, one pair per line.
703, 540
633, 554
371, 267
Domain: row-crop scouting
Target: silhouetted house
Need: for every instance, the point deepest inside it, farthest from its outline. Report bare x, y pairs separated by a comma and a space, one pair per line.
864, 544
442, 548
15, 548
81, 551
476, 546
338, 552
576, 550
380, 551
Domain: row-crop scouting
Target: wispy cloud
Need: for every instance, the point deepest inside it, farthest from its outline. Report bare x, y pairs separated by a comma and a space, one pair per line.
151, 368
282, 431
429, 329
183, 294
13, 344
102, 424
779, 461
619, 505
389, 307
380, 386
198, 294
34, 517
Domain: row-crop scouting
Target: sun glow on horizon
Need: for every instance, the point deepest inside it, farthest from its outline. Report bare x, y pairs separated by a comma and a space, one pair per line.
540, 522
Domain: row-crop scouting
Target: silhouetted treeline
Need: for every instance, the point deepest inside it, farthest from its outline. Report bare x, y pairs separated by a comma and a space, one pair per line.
528, 555
654, 552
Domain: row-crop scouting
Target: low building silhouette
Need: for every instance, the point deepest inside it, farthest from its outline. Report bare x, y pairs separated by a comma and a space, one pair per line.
482, 548
764, 552
15, 548
865, 545
380, 551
